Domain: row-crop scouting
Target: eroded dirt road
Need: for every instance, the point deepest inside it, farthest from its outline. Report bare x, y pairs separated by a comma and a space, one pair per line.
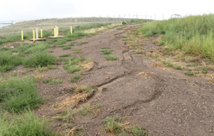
164, 103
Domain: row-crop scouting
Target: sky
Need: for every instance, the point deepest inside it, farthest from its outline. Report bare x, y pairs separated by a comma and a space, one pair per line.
20, 10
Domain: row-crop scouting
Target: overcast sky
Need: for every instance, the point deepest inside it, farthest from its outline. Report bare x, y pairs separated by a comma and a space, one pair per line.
19, 10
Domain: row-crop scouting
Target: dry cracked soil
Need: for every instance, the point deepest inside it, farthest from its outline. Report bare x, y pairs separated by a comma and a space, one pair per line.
164, 103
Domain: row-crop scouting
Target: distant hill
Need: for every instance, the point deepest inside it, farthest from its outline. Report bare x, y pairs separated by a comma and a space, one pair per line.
48, 24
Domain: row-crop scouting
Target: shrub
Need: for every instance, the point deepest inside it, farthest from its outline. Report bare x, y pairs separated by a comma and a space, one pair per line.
8, 61
39, 60
27, 125
19, 94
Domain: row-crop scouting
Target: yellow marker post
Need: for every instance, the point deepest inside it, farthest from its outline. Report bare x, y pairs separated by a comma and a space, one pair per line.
71, 30
57, 30
41, 32
22, 35
54, 31
33, 35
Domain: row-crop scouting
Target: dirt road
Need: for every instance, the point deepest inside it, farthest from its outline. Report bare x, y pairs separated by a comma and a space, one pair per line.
164, 103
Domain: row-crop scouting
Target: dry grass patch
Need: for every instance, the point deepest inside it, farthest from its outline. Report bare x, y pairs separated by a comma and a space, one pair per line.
81, 94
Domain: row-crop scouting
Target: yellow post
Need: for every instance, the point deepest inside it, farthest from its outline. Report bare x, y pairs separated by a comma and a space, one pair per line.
57, 31
54, 31
41, 33
71, 30
34, 35
22, 35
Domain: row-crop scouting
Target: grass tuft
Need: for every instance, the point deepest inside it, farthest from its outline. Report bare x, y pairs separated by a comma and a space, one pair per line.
111, 58
52, 81
76, 78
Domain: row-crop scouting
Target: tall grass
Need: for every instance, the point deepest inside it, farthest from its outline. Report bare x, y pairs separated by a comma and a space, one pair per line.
8, 61
26, 125
193, 35
39, 60
19, 94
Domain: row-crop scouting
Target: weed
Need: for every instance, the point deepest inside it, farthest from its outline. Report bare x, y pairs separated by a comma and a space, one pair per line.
169, 64
66, 47
8, 61
60, 41
73, 64
27, 125
83, 89
19, 94
204, 70
64, 55
39, 60
43, 69
193, 35
111, 58
95, 110
66, 116
189, 73
77, 51
73, 69
106, 51
76, 78
136, 131
112, 124
81, 43
52, 81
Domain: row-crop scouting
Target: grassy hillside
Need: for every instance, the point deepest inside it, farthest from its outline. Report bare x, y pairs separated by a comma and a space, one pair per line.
192, 35
49, 24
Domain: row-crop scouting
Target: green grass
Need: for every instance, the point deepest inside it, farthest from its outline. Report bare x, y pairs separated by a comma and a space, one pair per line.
136, 131
64, 55
76, 78
26, 125
111, 58
66, 116
106, 51
169, 64
8, 61
73, 64
77, 51
192, 35
66, 47
19, 94
52, 81
8, 39
112, 124
43, 69
73, 69
81, 43
39, 60
85, 89
60, 41
189, 73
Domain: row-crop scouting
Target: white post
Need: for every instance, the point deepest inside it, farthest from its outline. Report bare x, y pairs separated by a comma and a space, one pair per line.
37, 33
